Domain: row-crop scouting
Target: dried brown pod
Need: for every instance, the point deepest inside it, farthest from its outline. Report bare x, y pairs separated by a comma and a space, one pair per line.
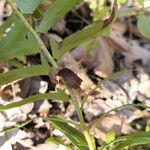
71, 79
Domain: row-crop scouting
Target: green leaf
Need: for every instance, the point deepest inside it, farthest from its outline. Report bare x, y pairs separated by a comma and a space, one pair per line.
16, 63
55, 12
147, 128
74, 135
110, 136
59, 95
99, 14
17, 33
121, 1
15, 44
144, 25
43, 60
7, 23
22, 73
138, 138
91, 31
20, 48
123, 12
57, 141
141, 2
20, 125
28, 6
76, 39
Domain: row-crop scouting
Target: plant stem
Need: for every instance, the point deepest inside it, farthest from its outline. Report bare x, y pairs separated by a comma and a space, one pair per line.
44, 50
86, 133
79, 112
89, 140
114, 75
96, 121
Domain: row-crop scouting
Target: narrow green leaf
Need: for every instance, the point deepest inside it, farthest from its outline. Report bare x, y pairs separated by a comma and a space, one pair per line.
147, 128
136, 134
110, 136
91, 31
57, 141
20, 125
144, 25
55, 12
23, 73
97, 120
100, 14
123, 12
20, 48
16, 63
43, 60
17, 33
76, 39
133, 142
11, 19
74, 135
28, 6
59, 95
138, 138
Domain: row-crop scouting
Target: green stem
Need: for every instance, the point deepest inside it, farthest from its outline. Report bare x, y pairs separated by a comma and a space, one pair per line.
96, 121
89, 140
44, 50
86, 133
79, 112
114, 75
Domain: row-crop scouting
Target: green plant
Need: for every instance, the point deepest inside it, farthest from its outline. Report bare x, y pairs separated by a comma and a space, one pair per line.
24, 39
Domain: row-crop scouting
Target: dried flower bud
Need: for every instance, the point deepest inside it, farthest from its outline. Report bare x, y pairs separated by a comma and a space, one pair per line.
70, 78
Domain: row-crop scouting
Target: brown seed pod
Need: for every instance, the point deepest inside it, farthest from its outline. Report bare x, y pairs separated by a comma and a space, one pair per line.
71, 79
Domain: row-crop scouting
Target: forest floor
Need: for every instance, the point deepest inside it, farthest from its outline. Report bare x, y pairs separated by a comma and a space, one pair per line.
94, 61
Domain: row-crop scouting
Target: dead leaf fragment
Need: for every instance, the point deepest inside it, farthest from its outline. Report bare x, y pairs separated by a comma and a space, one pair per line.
104, 63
